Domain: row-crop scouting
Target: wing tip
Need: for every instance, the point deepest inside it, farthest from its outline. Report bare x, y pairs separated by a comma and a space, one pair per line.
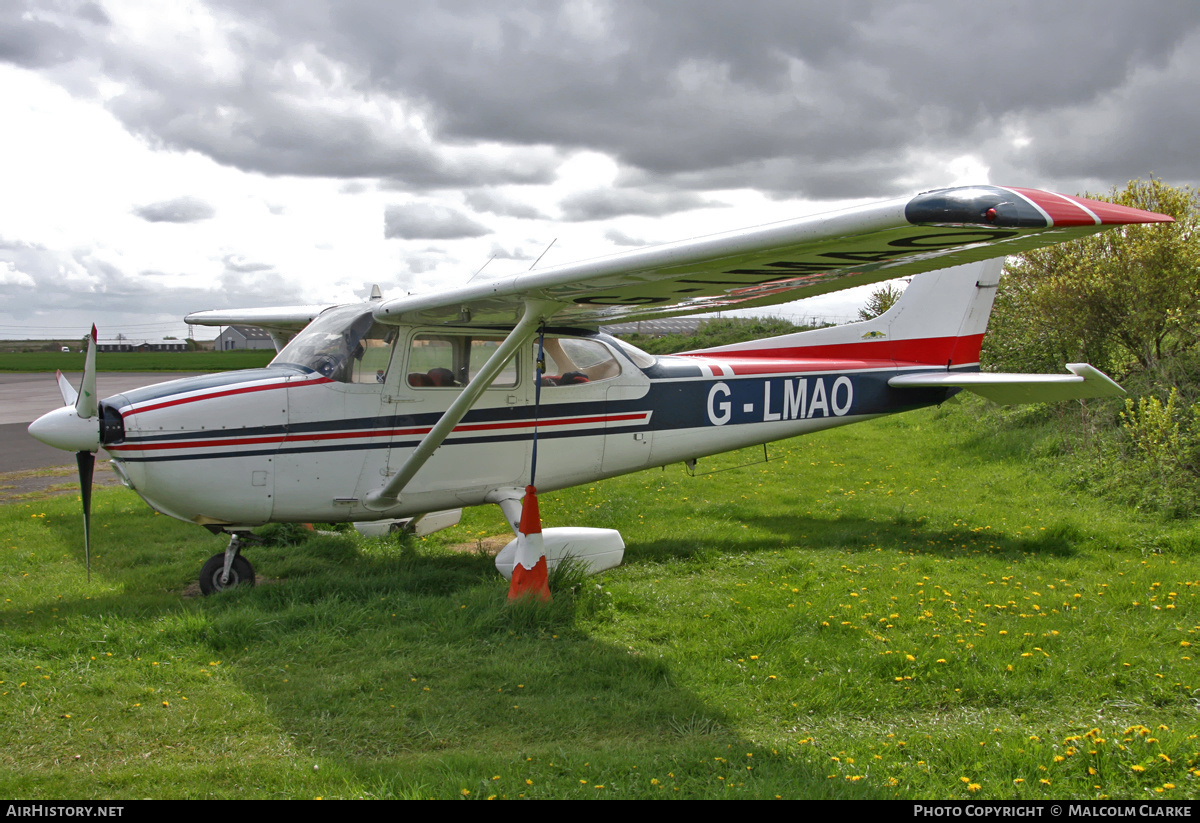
1072, 210
1015, 207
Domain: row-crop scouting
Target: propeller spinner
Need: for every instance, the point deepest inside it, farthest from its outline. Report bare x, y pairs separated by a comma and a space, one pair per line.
76, 427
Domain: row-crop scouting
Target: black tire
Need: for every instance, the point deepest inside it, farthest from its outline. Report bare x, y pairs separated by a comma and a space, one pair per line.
241, 573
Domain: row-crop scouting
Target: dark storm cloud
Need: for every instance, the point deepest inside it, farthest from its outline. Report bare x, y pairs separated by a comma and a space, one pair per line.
185, 209
761, 95
1143, 127
601, 204
425, 221
816, 100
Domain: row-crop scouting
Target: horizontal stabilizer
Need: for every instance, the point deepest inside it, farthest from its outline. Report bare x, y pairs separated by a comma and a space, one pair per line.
1006, 389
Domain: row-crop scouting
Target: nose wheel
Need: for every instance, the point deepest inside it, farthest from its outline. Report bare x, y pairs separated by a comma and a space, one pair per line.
226, 569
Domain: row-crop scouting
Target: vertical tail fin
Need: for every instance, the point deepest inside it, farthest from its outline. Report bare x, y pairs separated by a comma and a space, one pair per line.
939, 320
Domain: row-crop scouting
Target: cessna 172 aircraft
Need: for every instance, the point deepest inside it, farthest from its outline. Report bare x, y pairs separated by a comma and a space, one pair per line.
396, 408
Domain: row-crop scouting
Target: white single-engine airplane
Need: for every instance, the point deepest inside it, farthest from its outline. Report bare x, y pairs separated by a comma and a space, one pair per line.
397, 408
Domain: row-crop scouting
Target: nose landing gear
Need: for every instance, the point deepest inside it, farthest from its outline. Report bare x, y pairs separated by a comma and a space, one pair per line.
227, 569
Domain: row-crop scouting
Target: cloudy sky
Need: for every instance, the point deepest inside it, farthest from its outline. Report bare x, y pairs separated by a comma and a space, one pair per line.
161, 158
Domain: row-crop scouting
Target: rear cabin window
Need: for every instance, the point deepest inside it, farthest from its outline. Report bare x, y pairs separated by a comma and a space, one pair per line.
452, 361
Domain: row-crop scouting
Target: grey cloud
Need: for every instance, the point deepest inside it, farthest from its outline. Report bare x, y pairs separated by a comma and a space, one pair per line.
499, 252
425, 221
499, 204
93, 13
623, 239
601, 204
1142, 128
34, 36
185, 209
421, 263
822, 101
62, 288
238, 264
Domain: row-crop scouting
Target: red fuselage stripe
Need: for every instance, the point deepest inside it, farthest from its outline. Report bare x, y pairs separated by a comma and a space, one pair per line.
301, 438
243, 390
864, 354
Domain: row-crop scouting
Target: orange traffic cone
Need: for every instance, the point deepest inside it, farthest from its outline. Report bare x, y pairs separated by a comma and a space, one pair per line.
529, 576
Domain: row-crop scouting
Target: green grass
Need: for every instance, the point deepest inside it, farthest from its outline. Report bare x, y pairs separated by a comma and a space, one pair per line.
906, 608
136, 361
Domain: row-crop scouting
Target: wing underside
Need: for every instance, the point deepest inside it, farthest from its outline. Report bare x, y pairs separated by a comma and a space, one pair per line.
779, 262
750, 268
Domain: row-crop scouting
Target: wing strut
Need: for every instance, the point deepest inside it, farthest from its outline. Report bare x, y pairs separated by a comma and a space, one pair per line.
535, 312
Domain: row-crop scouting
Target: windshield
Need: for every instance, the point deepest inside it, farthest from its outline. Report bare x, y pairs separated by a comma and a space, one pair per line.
639, 357
334, 344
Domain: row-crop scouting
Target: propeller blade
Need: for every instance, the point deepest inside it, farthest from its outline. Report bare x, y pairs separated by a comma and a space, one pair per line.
86, 405
74, 426
69, 395
86, 461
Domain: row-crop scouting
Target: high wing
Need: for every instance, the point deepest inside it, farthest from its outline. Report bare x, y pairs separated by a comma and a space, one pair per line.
287, 319
777, 263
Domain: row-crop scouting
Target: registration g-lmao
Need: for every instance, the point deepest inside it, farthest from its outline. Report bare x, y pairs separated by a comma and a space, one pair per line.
396, 409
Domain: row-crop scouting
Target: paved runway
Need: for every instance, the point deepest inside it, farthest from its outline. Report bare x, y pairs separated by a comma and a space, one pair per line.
24, 397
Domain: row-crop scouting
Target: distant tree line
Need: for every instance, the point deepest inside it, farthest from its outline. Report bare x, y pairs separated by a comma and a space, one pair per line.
721, 331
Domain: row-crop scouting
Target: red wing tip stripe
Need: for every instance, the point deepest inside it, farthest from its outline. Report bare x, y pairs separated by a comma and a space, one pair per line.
1029, 196
608, 419
1068, 210
1113, 214
1078, 201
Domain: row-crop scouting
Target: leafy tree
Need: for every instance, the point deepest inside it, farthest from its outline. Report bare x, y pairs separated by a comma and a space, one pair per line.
1123, 299
881, 299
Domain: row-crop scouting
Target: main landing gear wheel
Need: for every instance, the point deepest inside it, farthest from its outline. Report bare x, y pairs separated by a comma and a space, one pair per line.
241, 573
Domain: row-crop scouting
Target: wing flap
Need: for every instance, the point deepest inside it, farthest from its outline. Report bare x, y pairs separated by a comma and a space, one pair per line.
1083, 382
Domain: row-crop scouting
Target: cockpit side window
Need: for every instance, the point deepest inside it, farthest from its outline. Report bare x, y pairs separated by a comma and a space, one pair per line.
371, 364
453, 360
573, 361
